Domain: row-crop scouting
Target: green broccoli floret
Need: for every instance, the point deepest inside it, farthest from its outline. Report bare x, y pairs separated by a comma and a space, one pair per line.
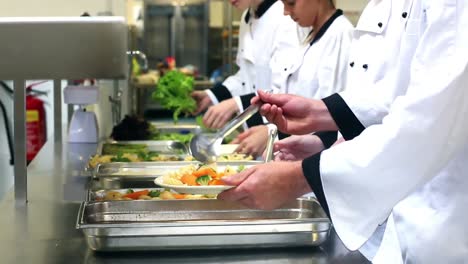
204, 180
154, 193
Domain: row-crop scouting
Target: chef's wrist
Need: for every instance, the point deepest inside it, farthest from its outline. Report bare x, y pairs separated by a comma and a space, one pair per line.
323, 120
212, 97
303, 186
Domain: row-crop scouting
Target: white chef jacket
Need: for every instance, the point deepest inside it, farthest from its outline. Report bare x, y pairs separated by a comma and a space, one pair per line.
321, 67
410, 163
265, 44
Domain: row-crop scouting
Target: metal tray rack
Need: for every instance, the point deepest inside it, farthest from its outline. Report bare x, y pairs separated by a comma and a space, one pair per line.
199, 224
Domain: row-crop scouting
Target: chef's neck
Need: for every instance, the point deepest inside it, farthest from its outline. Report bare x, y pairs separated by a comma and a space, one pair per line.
324, 13
254, 4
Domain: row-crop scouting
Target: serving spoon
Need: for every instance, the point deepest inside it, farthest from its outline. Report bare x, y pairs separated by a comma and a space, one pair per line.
206, 149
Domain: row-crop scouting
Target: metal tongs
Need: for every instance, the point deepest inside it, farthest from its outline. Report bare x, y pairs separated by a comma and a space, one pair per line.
206, 149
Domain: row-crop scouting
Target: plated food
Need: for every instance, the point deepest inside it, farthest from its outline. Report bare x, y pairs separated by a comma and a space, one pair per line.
201, 179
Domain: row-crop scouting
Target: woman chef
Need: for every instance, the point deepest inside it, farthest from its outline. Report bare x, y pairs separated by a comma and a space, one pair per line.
397, 190
267, 42
320, 69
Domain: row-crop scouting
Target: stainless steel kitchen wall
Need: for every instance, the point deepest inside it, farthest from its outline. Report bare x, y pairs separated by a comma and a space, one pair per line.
178, 29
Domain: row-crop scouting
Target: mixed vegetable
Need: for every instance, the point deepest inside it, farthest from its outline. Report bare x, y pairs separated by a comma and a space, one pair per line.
146, 194
203, 175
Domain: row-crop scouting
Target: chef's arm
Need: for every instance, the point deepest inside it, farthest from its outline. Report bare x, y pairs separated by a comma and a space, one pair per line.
363, 179
218, 93
228, 89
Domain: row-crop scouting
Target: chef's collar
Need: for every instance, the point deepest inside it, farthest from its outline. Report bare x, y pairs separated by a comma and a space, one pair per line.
262, 8
327, 25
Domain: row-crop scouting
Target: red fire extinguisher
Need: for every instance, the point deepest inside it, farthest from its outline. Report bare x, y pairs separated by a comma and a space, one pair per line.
36, 127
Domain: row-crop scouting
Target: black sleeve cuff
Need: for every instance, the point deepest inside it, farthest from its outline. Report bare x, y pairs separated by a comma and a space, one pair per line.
256, 119
348, 124
311, 170
282, 135
328, 138
221, 92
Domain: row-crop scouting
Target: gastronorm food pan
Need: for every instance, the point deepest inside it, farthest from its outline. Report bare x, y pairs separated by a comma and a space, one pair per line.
199, 224
176, 128
154, 193
161, 146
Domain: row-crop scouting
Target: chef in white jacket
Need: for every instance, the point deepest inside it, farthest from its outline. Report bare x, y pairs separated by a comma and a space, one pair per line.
319, 69
267, 42
396, 190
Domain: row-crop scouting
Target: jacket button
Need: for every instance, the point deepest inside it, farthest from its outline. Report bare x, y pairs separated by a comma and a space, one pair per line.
404, 15
254, 86
380, 24
243, 83
351, 64
365, 66
285, 69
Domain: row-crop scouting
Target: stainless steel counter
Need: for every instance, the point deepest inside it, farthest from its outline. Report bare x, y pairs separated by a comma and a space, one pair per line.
43, 231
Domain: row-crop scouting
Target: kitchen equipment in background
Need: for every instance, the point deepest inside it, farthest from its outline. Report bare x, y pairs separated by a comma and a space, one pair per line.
83, 125
36, 125
7, 122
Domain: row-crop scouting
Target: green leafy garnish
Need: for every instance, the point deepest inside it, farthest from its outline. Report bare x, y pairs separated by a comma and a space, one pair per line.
204, 180
130, 191
240, 168
173, 93
154, 193
120, 158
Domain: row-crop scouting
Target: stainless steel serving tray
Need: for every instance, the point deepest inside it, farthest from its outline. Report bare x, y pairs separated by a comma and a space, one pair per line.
161, 146
164, 147
123, 175
166, 127
199, 224
99, 195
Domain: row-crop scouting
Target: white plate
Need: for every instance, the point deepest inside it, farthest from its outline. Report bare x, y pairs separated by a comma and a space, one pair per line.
210, 189
227, 148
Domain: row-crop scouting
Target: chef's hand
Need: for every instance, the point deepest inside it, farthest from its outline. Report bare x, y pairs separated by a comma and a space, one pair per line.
294, 114
252, 141
218, 115
203, 101
297, 147
267, 186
